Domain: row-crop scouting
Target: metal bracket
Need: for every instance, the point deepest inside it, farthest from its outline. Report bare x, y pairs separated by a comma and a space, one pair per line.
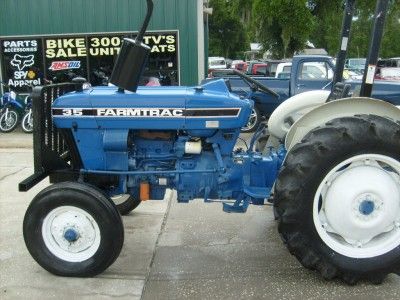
240, 206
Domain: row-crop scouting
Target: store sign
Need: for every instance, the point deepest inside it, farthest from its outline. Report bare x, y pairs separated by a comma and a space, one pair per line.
30, 62
22, 63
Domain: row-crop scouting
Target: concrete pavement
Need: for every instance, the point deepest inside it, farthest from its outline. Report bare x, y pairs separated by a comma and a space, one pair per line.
16, 139
171, 251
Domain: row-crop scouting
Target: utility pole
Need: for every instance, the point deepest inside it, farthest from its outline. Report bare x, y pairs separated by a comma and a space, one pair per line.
375, 43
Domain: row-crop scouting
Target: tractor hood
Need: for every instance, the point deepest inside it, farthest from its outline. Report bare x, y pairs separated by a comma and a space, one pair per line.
210, 106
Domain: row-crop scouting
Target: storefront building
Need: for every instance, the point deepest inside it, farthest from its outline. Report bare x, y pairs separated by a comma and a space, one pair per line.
45, 41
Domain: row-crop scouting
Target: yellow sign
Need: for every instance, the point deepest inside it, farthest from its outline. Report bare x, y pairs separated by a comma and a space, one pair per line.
104, 46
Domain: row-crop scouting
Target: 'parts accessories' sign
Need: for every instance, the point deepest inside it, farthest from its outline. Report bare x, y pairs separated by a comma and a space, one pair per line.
22, 63
35, 61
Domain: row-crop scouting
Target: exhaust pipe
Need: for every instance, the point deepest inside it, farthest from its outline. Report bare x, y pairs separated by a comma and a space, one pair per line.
132, 58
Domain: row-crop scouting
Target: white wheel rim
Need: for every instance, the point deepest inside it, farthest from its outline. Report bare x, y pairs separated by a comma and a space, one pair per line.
27, 122
119, 199
359, 212
9, 119
71, 234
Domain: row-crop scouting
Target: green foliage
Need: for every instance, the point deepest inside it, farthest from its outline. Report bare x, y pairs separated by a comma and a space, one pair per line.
227, 33
362, 27
391, 37
284, 26
328, 17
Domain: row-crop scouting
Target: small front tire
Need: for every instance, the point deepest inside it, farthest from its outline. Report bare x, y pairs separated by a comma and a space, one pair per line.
125, 203
253, 122
72, 229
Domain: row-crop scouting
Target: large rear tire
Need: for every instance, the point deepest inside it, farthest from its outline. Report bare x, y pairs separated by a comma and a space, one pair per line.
72, 229
337, 199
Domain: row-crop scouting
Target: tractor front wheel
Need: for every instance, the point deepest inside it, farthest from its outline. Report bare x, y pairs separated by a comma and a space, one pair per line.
125, 203
337, 199
72, 229
253, 122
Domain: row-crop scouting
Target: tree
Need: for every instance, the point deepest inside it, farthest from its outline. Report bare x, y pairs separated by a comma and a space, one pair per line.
283, 25
227, 33
391, 37
328, 17
243, 9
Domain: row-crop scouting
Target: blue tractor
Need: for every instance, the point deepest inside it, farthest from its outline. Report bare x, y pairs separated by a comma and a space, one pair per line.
334, 178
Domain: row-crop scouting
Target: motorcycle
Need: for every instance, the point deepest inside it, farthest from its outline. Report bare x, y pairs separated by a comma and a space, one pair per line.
11, 111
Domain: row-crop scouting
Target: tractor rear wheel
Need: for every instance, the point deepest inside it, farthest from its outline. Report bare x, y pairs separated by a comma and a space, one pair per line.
337, 199
72, 229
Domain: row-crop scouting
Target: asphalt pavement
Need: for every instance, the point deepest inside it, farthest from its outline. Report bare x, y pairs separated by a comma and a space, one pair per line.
171, 251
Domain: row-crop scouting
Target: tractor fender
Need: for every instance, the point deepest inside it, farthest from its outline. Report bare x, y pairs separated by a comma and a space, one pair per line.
338, 109
292, 109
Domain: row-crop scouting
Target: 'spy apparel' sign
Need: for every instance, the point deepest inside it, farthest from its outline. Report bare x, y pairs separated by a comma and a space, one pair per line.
22, 62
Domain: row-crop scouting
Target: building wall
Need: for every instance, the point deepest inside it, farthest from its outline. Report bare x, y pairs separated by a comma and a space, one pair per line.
36, 17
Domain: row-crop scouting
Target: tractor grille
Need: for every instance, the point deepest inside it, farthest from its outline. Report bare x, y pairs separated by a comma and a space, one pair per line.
54, 151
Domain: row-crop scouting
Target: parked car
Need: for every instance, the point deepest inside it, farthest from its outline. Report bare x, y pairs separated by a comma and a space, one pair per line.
242, 67
272, 66
388, 73
388, 69
263, 68
389, 62
215, 63
236, 62
228, 63
355, 64
284, 67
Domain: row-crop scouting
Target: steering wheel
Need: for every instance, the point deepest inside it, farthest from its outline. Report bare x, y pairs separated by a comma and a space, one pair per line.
255, 84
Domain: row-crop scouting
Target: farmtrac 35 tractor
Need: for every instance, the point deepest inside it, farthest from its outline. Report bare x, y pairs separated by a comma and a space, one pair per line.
336, 192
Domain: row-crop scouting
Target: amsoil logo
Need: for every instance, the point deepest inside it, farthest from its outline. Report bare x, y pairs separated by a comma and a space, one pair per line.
65, 65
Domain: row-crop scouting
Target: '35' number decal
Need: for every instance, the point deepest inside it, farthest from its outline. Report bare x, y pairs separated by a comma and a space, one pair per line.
72, 112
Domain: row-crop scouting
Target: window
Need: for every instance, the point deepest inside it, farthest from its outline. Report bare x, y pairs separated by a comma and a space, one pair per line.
315, 71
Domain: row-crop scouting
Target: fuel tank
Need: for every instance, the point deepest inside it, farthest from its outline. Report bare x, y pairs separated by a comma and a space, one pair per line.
201, 109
